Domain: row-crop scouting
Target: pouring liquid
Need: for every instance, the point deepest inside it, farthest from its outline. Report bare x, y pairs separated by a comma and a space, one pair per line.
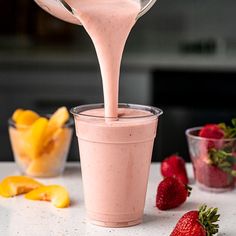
108, 23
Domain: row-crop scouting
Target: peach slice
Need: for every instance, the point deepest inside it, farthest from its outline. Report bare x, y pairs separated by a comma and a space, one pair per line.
56, 121
1, 191
53, 157
34, 137
17, 114
57, 194
25, 118
15, 185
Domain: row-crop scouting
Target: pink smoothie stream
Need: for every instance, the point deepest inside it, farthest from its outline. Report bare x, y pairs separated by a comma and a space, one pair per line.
108, 22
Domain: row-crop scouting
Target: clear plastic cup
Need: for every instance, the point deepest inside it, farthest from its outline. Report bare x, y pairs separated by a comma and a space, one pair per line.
115, 160
208, 175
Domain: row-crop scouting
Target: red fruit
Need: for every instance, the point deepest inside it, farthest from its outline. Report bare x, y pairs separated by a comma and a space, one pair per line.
211, 175
234, 167
188, 225
174, 166
212, 131
197, 223
234, 155
171, 193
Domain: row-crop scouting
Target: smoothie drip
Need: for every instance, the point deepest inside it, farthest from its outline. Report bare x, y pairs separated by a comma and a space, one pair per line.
108, 23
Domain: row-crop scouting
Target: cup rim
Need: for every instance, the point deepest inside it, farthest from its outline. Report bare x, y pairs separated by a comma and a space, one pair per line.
12, 123
76, 111
189, 134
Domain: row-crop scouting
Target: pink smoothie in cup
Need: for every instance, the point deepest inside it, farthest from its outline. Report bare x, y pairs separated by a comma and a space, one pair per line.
115, 159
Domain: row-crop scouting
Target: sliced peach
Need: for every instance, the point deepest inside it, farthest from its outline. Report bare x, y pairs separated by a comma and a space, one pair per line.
18, 145
34, 137
26, 117
1, 191
56, 121
17, 114
15, 185
53, 156
57, 194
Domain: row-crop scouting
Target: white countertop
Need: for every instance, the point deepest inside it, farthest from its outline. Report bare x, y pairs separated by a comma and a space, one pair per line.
20, 217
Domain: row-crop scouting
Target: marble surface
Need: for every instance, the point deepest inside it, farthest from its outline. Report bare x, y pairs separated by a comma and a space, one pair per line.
20, 217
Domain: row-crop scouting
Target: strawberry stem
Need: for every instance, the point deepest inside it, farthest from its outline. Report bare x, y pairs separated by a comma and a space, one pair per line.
230, 131
207, 218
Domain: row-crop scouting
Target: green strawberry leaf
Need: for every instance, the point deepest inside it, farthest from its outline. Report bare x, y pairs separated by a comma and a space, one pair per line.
234, 122
223, 159
230, 131
208, 218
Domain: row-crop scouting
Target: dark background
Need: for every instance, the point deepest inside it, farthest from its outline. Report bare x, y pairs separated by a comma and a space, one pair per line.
180, 57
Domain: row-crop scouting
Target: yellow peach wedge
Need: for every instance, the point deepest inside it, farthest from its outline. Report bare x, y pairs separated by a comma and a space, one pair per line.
1, 191
56, 194
35, 136
53, 156
15, 185
56, 121
25, 118
17, 114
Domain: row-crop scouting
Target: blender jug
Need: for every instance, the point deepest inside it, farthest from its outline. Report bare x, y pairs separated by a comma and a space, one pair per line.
62, 10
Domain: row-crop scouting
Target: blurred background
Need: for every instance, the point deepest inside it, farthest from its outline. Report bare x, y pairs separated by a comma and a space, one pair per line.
180, 57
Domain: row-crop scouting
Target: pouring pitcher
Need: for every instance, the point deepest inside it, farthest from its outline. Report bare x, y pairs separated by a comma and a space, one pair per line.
64, 11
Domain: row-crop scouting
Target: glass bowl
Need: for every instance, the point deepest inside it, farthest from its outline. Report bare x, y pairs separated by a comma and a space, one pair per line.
213, 161
52, 152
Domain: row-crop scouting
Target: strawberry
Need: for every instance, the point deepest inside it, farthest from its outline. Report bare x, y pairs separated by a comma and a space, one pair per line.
215, 161
211, 175
198, 223
218, 131
212, 131
234, 169
174, 166
216, 171
171, 193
